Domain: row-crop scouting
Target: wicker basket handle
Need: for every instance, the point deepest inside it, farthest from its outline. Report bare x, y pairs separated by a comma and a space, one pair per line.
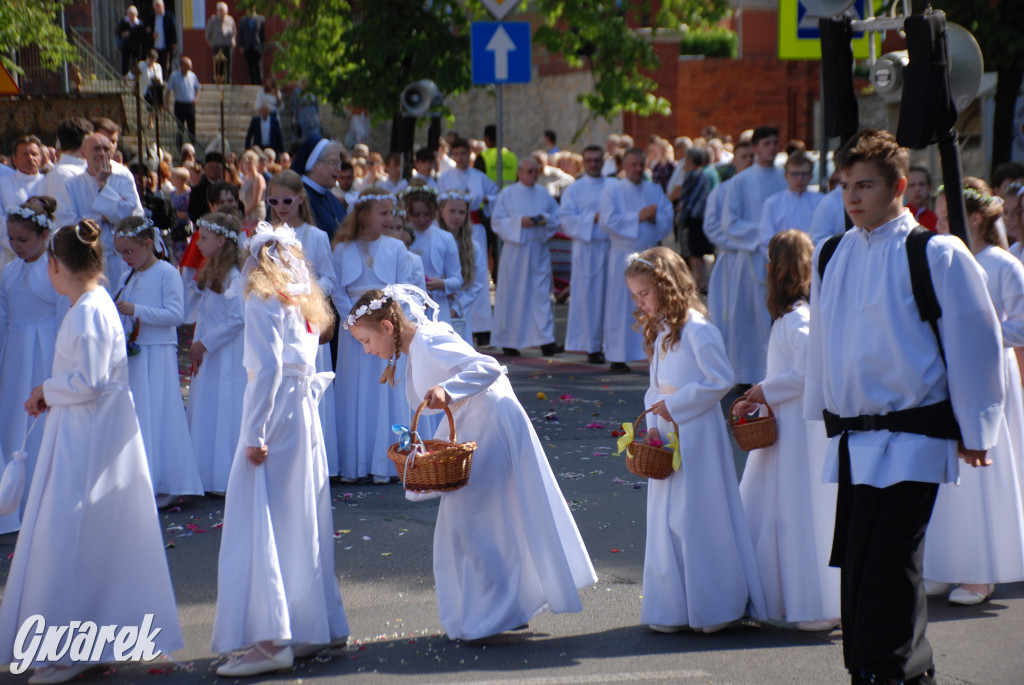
734, 418
644, 413
448, 413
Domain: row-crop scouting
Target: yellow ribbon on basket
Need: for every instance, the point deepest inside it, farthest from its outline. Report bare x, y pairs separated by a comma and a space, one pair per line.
627, 437
677, 458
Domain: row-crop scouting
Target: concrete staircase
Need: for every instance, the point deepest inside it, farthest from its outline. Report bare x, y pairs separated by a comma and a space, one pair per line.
238, 110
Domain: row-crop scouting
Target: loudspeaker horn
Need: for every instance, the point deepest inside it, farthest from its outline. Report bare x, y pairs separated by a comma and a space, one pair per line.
420, 97
827, 8
887, 74
966, 65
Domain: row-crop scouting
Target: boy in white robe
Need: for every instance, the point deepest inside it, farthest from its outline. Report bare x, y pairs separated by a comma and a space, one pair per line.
525, 217
578, 216
637, 215
793, 207
902, 413
829, 216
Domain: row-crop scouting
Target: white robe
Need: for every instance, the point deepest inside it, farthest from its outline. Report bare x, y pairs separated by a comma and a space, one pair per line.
117, 200
215, 395
854, 367
55, 184
746, 323
316, 246
790, 512
578, 218
976, 533
14, 190
30, 315
153, 374
829, 216
366, 409
619, 209
725, 252
440, 255
522, 298
275, 575
483, 193
461, 301
699, 566
786, 210
505, 546
90, 547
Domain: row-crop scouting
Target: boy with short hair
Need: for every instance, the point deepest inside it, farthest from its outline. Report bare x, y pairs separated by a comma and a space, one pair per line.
793, 207
903, 398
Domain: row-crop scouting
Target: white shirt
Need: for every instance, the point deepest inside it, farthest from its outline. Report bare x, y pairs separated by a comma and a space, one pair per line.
829, 216
579, 209
869, 353
786, 210
483, 192
744, 202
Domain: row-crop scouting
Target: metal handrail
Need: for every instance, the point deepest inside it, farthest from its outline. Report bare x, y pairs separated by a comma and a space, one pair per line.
93, 73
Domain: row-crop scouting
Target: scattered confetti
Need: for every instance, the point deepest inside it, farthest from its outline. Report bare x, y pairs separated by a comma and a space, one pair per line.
595, 425
616, 550
551, 416
542, 396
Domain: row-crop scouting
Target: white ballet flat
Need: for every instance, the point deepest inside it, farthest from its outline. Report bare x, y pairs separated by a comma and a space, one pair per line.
817, 626
965, 597
304, 651
59, 674
715, 628
271, 663
667, 629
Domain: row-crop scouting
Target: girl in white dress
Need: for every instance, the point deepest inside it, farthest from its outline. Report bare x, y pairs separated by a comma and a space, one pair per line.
453, 216
90, 548
277, 596
976, 534
364, 259
790, 511
30, 314
290, 206
699, 566
505, 545
218, 376
150, 300
434, 245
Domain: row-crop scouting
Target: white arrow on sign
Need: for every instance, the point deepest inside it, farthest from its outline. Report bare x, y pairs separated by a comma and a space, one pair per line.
500, 44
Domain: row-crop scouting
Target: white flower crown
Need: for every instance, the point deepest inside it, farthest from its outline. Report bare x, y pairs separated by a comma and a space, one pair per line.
146, 225
373, 306
39, 219
372, 197
635, 257
219, 230
410, 190
453, 195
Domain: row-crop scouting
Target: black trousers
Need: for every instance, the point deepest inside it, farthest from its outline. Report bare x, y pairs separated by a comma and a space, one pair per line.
254, 62
884, 606
163, 58
185, 112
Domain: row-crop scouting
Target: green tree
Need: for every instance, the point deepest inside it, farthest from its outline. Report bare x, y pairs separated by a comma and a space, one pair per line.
365, 54
34, 22
998, 26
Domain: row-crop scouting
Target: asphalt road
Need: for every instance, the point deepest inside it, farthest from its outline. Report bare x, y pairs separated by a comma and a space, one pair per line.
383, 564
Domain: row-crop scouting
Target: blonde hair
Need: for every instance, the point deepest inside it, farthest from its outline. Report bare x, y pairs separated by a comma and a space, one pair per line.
352, 224
390, 311
217, 268
677, 295
463, 238
293, 182
267, 279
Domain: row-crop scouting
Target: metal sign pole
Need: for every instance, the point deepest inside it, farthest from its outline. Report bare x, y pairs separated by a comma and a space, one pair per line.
501, 167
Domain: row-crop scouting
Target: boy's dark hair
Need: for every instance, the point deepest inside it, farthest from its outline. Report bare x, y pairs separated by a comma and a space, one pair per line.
879, 148
491, 133
594, 148
215, 190
921, 170
551, 135
762, 132
213, 156
424, 155
105, 125
460, 142
72, 132
798, 158
1007, 170
393, 157
346, 166
698, 155
795, 145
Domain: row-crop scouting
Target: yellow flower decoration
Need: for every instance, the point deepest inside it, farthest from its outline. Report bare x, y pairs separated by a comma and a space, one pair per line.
627, 437
677, 458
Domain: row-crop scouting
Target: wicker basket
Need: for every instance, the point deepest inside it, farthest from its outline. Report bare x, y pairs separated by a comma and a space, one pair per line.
755, 433
647, 461
445, 466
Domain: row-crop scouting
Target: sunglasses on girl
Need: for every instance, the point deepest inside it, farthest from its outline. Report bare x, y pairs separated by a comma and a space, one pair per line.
286, 201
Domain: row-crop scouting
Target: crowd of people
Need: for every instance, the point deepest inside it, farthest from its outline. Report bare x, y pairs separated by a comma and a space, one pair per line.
720, 270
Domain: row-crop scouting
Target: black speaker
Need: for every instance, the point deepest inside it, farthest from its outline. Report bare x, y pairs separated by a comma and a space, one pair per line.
842, 116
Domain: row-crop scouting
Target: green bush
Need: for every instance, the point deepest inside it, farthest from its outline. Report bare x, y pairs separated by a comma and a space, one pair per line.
714, 41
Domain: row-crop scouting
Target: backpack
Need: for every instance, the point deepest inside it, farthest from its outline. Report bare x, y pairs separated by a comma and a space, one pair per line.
920, 276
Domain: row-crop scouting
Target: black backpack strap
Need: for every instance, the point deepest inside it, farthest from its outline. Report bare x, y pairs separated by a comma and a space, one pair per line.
827, 250
921, 281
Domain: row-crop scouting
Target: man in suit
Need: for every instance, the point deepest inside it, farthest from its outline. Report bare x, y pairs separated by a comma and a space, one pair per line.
161, 34
251, 35
265, 131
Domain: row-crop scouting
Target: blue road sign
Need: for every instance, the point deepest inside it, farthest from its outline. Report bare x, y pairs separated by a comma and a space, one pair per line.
500, 52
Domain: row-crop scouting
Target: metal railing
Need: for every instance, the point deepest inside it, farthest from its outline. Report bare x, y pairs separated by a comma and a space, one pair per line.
94, 74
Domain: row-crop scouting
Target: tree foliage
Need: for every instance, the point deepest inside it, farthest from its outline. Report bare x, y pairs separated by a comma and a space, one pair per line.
26, 23
365, 53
